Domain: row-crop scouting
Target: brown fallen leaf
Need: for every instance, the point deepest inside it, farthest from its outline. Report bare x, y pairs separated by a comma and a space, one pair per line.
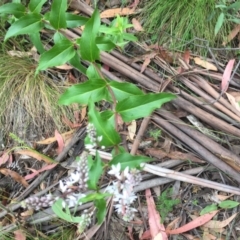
186, 56
190, 237
27, 213
205, 64
19, 235
165, 55
65, 136
132, 127
147, 60
137, 25
4, 158
64, 67
199, 221
36, 172
60, 142
232, 34
36, 155
234, 100
220, 224
158, 153
19, 54
83, 113
156, 228
14, 175
110, 13
227, 75
173, 224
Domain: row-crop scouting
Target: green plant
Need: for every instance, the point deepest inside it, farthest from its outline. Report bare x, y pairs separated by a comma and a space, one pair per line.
155, 134
127, 101
165, 203
183, 24
229, 13
227, 204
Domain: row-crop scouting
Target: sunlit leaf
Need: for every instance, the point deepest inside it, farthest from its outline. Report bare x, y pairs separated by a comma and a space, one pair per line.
65, 215
75, 62
17, 9
104, 44
35, 6
100, 204
228, 204
106, 129
219, 23
89, 50
36, 40
95, 172
128, 160
31, 23
94, 196
208, 209
57, 15
135, 107
74, 20
124, 90
57, 55
80, 93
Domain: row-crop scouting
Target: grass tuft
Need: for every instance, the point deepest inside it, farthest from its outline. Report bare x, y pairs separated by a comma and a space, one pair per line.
174, 23
28, 103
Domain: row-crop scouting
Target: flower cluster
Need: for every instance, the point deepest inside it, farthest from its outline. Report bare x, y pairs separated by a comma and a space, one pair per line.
37, 203
77, 180
72, 187
86, 220
93, 138
76, 183
122, 190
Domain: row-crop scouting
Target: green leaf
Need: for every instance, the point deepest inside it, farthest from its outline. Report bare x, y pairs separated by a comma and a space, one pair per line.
104, 128
81, 93
101, 206
88, 48
219, 23
128, 160
57, 55
124, 90
135, 107
35, 6
235, 20
220, 6
58, 210
208, 209
95, 172
74, 20
36, 40
94, 196
108, 30
57, 14
58, 37
75, 62
129, 37
235, 6
107, 115
228, 204
17, 9
92, 73
29, 24
105, 44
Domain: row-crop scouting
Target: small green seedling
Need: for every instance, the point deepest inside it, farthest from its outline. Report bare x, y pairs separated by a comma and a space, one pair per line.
165, 203
228, 204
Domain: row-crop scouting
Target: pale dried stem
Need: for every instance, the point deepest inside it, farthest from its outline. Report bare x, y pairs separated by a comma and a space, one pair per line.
163, 172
